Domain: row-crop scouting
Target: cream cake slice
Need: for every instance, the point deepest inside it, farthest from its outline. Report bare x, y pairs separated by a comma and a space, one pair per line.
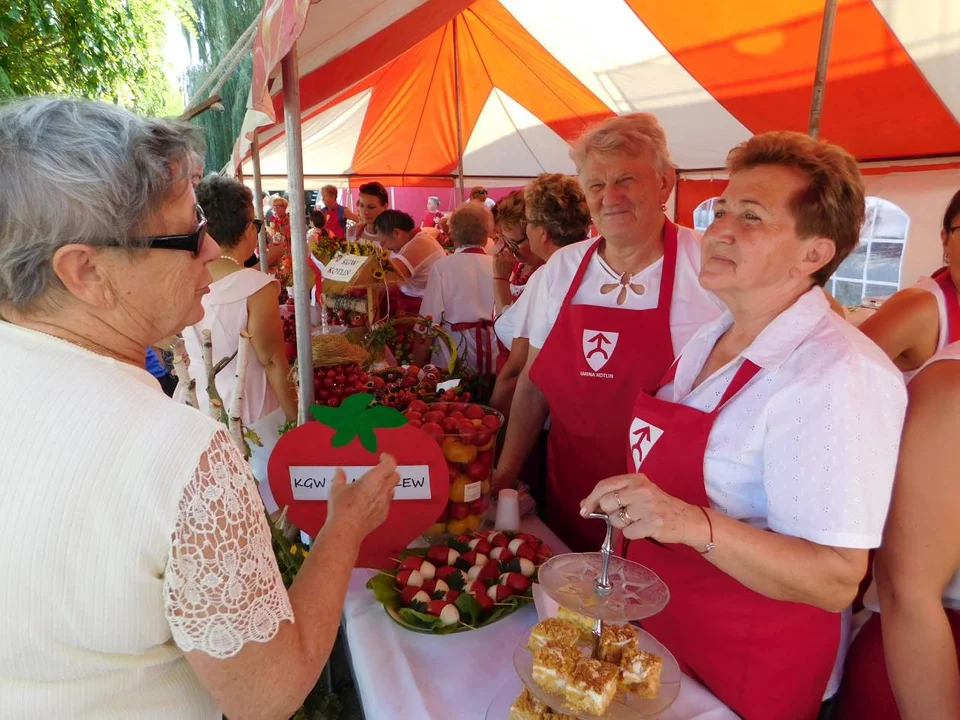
640, 673
583, 623
614, 639
592, 687
553, 667
527, 707
553, 631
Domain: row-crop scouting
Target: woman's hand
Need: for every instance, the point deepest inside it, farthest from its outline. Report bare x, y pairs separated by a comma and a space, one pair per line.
503, 264
652, 512
363, 506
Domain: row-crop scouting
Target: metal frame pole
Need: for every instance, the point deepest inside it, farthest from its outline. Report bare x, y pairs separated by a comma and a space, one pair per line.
298, 231
456, 94
823, 59
258, 202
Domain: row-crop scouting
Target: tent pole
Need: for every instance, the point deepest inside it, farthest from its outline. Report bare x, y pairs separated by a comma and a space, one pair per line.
823, 59
298, 232
258, 201
456, 95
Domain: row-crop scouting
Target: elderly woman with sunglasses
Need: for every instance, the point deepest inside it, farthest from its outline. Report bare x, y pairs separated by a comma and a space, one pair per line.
242, 299
152, 591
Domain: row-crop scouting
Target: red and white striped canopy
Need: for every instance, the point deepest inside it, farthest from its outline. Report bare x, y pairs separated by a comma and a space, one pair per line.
379, 100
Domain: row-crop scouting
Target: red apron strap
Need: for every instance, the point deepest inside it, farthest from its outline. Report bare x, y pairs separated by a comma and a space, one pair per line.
668, 275
482, 331
943, 278
745, 373
581, 271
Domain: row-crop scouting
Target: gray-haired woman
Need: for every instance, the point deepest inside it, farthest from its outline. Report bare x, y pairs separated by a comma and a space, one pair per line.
152, 591
608, 317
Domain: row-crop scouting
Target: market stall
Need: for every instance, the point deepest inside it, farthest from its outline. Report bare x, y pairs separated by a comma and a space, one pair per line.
401, 674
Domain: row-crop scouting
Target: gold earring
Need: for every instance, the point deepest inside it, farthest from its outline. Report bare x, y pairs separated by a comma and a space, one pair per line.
663, 207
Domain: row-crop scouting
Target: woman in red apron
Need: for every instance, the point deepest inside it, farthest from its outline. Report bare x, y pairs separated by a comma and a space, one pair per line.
916, 637
608, 315
763, 517
919, 321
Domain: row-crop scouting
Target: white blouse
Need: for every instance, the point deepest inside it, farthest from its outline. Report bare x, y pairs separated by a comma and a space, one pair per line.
515, 320
132, 532
809, 447
690, 308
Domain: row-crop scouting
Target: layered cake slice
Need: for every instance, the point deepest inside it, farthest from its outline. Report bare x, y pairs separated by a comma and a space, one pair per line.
553, 631
553, 667
640, 673
614, 639
527, 707
592, 687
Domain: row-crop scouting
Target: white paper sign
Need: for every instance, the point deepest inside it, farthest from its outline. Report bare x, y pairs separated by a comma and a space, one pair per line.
447, 385
343, 267
472, 492
313, 483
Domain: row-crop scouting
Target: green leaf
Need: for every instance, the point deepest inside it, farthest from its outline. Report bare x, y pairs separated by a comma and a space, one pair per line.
455, 582
381, 416
385, 590
343, 436
356, 404
368, 438
418, 619
469, 608
328, 416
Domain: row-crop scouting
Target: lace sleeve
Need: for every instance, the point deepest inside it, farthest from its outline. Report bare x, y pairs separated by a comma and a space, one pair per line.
222, 586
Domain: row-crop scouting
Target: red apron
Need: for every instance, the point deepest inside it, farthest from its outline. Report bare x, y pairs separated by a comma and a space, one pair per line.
482, 329
766, 659
866, 690
949, 290
594, 362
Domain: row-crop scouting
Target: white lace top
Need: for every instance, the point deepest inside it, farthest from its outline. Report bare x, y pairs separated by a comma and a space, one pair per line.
132, 532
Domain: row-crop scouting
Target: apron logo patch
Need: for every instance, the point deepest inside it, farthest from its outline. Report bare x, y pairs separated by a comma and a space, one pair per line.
643, 436
598, 347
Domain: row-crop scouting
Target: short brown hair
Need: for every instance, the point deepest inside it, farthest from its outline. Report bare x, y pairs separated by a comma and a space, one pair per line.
329, 190
556, 203
833, 203
511, 210
478, 191
469, 225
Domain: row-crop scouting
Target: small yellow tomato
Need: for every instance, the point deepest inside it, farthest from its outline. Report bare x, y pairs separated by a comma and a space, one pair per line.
472, 521
457, 527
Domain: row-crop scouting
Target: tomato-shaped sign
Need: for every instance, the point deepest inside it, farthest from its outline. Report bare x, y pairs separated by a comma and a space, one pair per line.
352, 437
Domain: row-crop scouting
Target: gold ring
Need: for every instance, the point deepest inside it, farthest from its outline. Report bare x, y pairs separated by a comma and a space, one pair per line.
624, 518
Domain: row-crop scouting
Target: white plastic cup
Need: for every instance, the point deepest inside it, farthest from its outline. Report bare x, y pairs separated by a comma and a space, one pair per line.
508, 511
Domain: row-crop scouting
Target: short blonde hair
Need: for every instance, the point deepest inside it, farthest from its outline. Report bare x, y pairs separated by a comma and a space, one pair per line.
329, 190
633, 134
833, 204
470, 225
511, 210
556, 203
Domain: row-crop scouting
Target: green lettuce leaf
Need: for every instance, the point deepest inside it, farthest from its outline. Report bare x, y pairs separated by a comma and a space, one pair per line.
469, 608
385, 590
419, 619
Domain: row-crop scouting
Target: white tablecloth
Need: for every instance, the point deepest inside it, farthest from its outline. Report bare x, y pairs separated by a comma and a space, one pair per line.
403, 675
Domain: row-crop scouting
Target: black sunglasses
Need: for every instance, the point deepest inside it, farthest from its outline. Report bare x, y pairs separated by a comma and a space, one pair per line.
191, 241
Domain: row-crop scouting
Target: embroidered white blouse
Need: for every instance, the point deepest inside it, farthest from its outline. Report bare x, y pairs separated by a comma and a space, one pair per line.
132, 532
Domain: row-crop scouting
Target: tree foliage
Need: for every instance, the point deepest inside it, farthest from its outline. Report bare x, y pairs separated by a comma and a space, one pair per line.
220, 23
103, 49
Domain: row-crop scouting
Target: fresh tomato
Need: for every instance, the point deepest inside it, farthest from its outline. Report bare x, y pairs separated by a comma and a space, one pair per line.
474, 412
458, 511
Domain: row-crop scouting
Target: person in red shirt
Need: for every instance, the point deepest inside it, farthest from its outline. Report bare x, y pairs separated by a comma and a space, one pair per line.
432, 215
335, 213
